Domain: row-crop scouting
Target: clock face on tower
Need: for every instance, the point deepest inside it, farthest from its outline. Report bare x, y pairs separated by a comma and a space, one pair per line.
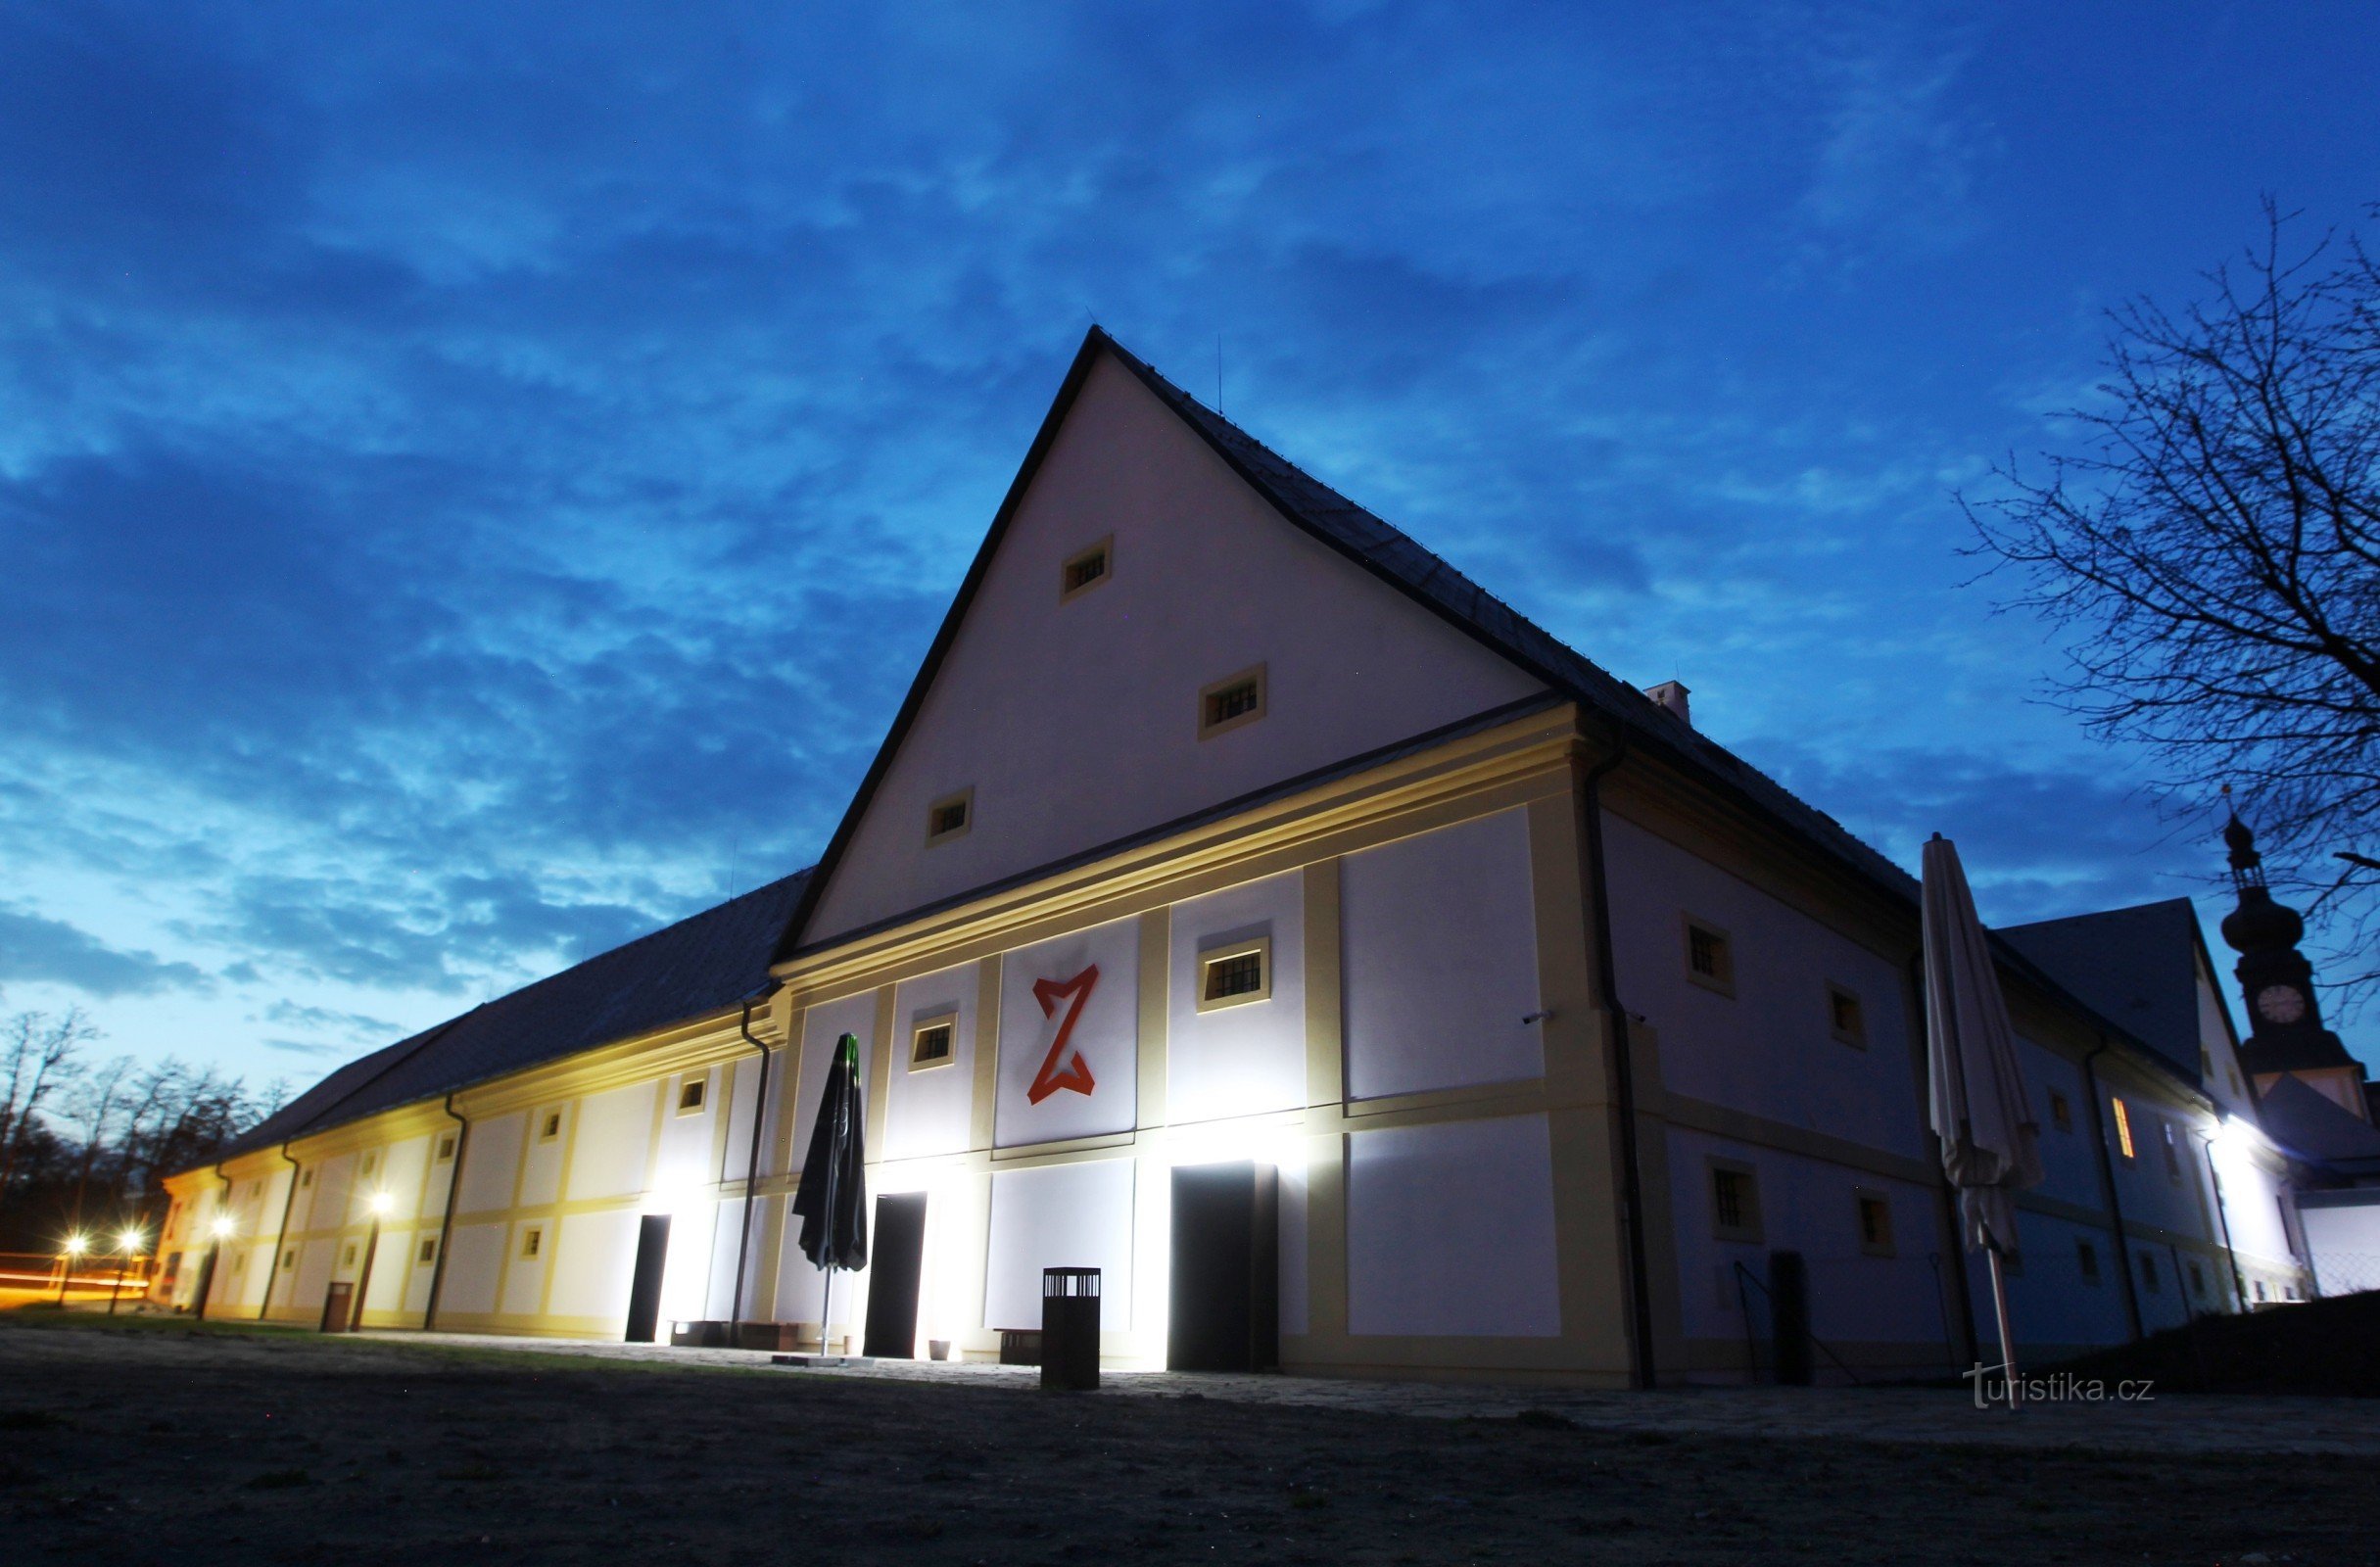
2281, 1003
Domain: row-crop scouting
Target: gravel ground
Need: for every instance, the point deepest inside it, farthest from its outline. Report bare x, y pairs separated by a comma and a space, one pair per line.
160, 1443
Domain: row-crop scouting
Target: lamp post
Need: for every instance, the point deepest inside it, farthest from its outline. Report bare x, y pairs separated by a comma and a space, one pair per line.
75, 1245
127, 1251
382, 1202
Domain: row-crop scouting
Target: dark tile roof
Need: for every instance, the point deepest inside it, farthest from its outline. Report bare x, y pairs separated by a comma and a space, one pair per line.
2308, 1124
698, 966
2137, 967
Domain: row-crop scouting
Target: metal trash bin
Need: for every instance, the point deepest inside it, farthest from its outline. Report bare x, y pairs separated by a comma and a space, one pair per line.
1070, 1328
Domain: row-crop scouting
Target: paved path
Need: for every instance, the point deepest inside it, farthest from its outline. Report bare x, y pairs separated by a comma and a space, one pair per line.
2178, 1423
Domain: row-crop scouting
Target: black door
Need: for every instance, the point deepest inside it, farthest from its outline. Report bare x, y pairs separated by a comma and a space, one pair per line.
644, 1291
896, 1254
1226, 1307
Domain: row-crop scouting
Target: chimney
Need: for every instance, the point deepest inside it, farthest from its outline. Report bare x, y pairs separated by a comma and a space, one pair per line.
1672, 695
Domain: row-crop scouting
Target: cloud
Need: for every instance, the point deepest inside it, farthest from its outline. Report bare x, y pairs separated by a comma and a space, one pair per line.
356, 1026
36, 948
302, 1047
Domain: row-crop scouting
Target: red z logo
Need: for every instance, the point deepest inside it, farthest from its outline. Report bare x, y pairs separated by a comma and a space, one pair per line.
1076, 1075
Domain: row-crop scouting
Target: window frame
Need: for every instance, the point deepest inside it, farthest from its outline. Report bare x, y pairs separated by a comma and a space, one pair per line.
2173, 1153
2062, 1111
425, 1253
2124, 1146
965, 800
1254, 674
1261, 947
698, 1084
1750, 1231
2086, 1263
531, 1247
1105, 548
1863, 1199
550, 1125
443, 1150
346, 1254
918, 1027
1722, 980
1856, 1036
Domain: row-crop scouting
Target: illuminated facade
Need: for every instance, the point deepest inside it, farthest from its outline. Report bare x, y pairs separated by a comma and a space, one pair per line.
1232, 856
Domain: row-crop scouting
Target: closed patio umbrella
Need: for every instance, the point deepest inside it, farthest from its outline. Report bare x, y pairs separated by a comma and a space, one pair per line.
833, 1199
1975, 1089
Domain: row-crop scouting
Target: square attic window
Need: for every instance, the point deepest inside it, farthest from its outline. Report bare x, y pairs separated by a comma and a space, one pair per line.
934, 1041
1086, 569
1231, 702
1234, 975
950, 816
690, 1094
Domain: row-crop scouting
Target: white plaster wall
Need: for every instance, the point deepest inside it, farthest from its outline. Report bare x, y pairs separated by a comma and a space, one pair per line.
2252, 1201
315, 1273
1450, 1230
1296, 1293
1769, 1049
595, 1260
401, 1166
687, 1159
2070, 1160
418, 1275
685, 1279
542, 1164
1077, 723
334, 1188
821, 1027
474, 1265
1438, 962
1811, 1206
525, 1277
1106, 1037
384, 1290
615, 1138
1060, 1216
2346, 1247
932, 1112
738, 1109
2050, 1301
490, 1162
1250, 1059
2215, 1039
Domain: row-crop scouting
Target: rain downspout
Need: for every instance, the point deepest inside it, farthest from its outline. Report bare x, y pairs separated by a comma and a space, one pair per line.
272, 1269
752, 1174
215, 1247
1607, 971
2107, 1177
445, 1226
2239, 1286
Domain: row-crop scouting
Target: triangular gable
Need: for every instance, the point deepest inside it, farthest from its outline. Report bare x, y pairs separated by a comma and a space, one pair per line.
1072, 722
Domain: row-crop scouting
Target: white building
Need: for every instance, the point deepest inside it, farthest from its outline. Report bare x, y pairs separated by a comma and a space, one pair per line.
1247, 905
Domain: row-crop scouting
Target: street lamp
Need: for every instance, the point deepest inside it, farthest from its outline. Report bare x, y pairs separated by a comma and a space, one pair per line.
381, 1202
75, 1245
128, 1250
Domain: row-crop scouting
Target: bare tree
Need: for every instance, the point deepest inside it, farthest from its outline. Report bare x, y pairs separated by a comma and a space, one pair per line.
38, 1056
2215, 550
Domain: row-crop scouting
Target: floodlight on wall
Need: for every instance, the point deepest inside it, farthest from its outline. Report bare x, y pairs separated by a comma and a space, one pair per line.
1269, 1141
2235, 1133
382, 1202
223, 1226
78, 1244
129, 1241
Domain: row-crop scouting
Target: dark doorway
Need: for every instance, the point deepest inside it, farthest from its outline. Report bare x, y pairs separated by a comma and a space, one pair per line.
336, 1301
1227, 1297
644, 1291
896, 1256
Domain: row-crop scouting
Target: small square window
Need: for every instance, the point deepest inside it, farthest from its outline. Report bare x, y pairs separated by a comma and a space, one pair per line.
306, 1176
533, 1241
933, 1041
289, 1258
690, 1095
1874, 1224
1086, 569
1235, 974
2259, 1289
2173, 1164
2087, 1258
346, 1254
1710, 960
2062, 1111
428, 1253
2198, 1279
1231, 702
446, 1148
371, 1162
1734, 1201
2123, 1128
550, 1126
950, 816
2149, 1279
1845, 1019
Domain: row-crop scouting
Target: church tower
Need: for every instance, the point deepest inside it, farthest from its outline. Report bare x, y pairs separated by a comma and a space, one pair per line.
2286, 1036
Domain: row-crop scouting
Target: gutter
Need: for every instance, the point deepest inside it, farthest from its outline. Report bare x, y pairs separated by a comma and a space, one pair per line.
752, 1174
2107, 1177
1624, 1084
273, 1272
445, 1226
215, 1248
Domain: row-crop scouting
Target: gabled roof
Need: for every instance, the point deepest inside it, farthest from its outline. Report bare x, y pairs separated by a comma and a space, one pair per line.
1390, 555
689, 970
2137, 967
2310, 1127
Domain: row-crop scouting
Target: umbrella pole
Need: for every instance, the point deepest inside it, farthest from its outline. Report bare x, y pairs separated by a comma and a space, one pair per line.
1999, 1306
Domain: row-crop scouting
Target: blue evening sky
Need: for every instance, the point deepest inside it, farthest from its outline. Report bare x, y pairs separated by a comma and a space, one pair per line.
475, 480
